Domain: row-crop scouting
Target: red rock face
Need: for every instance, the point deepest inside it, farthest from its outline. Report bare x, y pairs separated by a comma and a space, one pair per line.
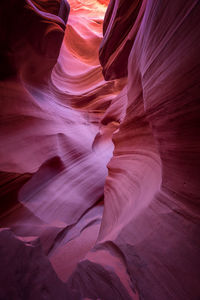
100, 173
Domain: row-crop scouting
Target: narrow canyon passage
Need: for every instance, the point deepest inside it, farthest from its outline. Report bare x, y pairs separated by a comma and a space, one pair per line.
65, 169
100, 155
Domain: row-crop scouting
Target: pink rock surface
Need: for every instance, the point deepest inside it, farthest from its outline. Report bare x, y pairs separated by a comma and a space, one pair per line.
119, 36
100, 162
31, 275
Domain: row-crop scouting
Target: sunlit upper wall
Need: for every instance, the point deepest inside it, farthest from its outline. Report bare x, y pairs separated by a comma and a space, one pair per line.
104, 2
90, 8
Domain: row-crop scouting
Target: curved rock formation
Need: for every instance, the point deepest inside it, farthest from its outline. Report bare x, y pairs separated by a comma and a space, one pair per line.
100, 173
115, 48
31, 36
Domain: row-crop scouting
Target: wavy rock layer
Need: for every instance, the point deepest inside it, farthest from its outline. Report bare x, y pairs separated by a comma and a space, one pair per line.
52, 181
131, 232
150, 227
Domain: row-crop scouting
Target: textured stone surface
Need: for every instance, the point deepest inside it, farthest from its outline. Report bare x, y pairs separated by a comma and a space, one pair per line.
30, 275
100, 173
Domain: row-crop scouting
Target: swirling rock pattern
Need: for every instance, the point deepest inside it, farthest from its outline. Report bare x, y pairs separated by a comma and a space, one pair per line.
115, 48
100, 173
31, 35
51, 179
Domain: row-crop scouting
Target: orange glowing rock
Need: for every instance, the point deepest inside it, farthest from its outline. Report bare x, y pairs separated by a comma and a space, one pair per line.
104, 2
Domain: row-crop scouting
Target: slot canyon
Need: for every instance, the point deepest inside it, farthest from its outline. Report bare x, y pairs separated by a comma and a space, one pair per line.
100, 150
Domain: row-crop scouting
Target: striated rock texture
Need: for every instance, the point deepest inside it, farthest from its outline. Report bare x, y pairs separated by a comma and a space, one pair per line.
100, 173
121, 24
31, 35
31, 275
